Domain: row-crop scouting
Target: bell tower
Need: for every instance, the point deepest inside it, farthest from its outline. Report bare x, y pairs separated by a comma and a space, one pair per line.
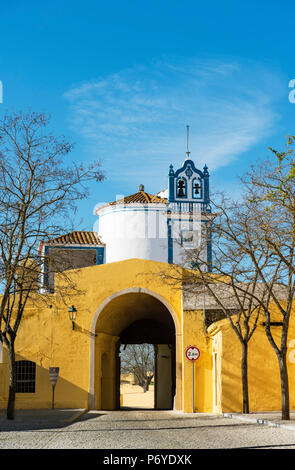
188, 185
188, 188
188, 209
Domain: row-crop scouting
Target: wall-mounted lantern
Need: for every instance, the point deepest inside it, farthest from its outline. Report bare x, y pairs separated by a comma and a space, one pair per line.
72, 315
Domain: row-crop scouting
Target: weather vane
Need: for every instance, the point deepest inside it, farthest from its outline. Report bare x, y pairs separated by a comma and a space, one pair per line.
187, 142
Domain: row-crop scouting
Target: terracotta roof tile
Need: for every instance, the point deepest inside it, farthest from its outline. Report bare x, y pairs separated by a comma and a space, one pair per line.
76, 238
141, 197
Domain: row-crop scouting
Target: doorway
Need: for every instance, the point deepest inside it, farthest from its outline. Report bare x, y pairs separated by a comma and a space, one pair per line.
131, 319
148, 345
137, 376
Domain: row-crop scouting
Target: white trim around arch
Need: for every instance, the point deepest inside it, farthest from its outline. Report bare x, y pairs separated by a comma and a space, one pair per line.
178, 333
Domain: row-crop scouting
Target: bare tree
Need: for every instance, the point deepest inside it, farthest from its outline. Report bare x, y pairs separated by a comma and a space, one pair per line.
248, 260
247, 275
138, 359
257, 236
271, 197
235, 304
253, 244
38, 193
224, 287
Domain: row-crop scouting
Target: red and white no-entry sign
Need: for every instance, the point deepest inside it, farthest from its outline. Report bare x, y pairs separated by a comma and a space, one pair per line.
53, 375
192, 353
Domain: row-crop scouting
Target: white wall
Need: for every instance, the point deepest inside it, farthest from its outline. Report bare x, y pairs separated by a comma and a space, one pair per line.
140, 231
134, 231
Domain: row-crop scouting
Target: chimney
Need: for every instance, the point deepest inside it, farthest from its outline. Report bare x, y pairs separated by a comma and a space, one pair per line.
141, 187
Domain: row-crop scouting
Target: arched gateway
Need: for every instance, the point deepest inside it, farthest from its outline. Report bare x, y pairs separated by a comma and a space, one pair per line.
134, 316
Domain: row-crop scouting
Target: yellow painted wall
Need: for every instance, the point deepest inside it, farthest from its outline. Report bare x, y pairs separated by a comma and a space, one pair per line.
46, 336
263, 369
193, 334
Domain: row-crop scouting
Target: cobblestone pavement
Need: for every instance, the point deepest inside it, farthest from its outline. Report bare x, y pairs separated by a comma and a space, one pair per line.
142, 429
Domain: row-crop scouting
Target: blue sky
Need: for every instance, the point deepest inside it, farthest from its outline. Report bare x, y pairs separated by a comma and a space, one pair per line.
123, 79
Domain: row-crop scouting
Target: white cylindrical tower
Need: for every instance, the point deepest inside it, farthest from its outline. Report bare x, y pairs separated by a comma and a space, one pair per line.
165, 227
134, 227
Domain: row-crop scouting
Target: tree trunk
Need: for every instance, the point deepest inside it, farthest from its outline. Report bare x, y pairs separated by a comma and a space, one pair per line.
12, 382
147, 383
244, 368
281, 355
284, 386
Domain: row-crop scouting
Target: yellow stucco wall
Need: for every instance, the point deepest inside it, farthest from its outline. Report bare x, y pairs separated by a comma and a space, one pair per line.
193, 334
46, 336
263, 370
110, 297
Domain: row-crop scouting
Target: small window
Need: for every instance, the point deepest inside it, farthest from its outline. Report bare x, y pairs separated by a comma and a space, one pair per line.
25, 376
189, 239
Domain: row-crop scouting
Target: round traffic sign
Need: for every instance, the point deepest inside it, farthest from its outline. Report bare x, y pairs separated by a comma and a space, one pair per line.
53, 375
192, 353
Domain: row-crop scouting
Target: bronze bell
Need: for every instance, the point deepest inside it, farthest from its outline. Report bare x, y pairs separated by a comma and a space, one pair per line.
180, 192
196, 188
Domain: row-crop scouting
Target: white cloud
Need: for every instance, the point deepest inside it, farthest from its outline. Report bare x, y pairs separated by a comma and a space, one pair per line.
135, 119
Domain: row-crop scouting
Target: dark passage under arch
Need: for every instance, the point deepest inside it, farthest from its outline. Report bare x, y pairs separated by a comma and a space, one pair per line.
160, 334
136, 318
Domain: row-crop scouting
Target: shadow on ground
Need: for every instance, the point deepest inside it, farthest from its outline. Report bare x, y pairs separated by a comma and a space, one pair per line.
38, 420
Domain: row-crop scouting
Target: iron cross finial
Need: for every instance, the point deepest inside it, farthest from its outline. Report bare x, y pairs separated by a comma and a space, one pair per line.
187, 142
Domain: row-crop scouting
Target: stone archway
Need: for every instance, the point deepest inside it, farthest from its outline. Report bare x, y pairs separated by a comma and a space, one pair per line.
119, 314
